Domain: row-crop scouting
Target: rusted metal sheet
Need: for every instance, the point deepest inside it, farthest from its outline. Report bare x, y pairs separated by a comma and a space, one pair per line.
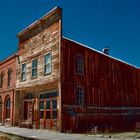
111, 91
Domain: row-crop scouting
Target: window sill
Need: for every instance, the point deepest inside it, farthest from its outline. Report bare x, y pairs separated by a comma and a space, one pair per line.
45, 74
80, 74
22, 80
8, 86
32, 78
7, 119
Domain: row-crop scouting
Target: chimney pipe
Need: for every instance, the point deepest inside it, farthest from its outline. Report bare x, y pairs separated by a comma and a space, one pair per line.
106, 50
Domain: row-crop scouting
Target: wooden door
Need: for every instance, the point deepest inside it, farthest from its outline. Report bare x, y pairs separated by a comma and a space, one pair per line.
25, 110
28, 110
48, 113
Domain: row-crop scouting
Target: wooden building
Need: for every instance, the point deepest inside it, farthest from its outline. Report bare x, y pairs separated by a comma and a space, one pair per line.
97, 90
38, 73
66, 86
7, 90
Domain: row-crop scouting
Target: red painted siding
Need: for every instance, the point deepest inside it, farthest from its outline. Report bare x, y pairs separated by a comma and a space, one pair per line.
111, 91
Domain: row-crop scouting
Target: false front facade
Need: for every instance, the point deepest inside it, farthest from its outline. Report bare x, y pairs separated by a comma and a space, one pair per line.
38, 73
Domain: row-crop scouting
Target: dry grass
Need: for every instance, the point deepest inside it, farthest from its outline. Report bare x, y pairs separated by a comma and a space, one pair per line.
9, 137
4, 138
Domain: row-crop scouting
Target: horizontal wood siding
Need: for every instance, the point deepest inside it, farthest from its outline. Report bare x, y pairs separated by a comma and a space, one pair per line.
112, 91
34, 43
36, 48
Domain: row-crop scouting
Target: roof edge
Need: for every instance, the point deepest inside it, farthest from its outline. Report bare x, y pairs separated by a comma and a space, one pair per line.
8, 58
100, 52
32, 24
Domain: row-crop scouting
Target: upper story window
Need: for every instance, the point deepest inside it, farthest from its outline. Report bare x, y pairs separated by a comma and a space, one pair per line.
47, 63
34, 68
1, 79
79, 64
80, 95
9, 77
23, 72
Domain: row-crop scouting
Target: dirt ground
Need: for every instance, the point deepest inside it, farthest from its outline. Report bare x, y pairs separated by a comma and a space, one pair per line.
127, 135
109, 136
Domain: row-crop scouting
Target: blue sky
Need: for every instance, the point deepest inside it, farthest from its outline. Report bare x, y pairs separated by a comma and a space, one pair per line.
96, 23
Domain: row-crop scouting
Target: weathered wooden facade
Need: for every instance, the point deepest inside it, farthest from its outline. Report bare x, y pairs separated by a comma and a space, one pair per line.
38, 73
82, 89
7, 89
62, 85
110, 91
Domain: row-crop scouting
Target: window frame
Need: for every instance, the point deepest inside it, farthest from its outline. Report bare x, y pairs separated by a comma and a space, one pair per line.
80, 96
35, 68
41, 110
9, 77
45, 64
7, 108
2, 79
79, 67
23, 72
54, 109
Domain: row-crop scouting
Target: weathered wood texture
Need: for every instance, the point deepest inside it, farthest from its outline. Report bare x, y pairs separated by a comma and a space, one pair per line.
35, 42
8, 91
47, 41
111, 87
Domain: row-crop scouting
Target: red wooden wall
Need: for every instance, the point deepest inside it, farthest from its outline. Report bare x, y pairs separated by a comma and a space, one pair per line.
111, 88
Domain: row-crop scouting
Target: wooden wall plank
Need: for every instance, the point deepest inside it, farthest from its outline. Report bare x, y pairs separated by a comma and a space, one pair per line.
111, 86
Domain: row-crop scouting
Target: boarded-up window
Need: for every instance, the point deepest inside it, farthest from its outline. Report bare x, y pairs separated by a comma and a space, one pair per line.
47, 63
80, 64
34, 68
23, 72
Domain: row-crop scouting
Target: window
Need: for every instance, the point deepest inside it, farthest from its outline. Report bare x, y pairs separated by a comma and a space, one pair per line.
80, 95
23, 72
48, 105
34, 68
9, 77
1, 80
54, 115
54, 104
48, 115
54, 109
48, 108
79, 64
8, 104
47, 63
41, 109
